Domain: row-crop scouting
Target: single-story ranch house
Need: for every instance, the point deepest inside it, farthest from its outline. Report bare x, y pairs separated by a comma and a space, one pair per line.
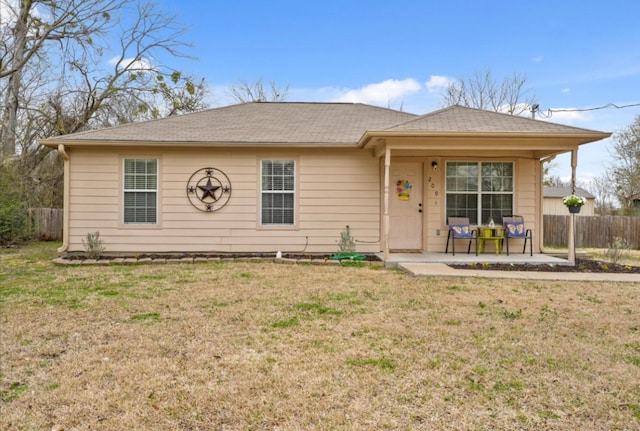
289, 177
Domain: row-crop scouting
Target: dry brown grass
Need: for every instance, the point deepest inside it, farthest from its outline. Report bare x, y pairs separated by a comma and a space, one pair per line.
256, 345
628, 257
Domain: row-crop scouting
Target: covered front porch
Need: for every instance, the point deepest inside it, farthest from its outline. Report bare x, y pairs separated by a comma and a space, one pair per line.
394, 259
462, 162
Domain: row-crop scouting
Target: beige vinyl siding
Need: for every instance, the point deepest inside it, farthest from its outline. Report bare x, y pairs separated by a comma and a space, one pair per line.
334, 188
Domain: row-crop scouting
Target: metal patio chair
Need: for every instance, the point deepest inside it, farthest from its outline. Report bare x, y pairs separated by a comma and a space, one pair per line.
514, 228
459, 228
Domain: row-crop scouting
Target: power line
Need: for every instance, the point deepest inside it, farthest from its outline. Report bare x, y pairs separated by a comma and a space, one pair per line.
549, 112
608, 105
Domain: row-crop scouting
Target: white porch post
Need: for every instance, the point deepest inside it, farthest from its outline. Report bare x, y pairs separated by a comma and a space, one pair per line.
385, 217
572, 242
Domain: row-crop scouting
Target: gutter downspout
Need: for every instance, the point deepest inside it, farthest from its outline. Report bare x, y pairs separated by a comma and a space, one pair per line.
65, 206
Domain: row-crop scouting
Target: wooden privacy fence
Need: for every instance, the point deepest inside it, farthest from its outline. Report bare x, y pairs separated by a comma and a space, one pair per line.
592, 231
46, 223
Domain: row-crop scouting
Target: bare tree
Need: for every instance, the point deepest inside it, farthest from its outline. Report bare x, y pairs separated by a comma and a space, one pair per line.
603, 190
71, 65
625, 169
71, 37
483, 91
28, 28
245, 91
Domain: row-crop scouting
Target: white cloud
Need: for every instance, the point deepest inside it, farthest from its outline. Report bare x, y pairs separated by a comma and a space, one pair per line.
565, 90
132, 64
9, 10
380, 93
537, 59
438, 82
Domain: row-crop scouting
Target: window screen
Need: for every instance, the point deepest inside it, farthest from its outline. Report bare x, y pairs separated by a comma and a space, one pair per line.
140, 191
278, 192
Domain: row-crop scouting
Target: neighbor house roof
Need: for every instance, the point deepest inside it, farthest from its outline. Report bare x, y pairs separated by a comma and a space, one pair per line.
300, 124
560, 192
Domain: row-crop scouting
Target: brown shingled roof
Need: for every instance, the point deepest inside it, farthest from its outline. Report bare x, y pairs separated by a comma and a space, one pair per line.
266, 122
300, 123
463, 119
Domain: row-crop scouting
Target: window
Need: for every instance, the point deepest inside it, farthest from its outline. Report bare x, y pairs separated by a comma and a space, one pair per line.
277, 192
480, 191
140, 191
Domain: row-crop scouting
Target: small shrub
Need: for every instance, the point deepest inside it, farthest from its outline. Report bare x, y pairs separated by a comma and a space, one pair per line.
93, 245
346, 244
619, 249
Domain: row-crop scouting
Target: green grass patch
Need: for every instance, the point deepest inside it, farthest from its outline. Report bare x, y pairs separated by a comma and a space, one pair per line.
548, 314
548, 414
317, 308
635, 410
352, 264
14, 391
341, 296
510, 386
286, 323
382, 363
146, 316
591, 298
511, 315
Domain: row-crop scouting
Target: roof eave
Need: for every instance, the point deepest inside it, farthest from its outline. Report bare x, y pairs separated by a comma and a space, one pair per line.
183, 144
370, 137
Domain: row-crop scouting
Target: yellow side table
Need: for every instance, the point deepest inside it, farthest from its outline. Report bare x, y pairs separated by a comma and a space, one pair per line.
488, 233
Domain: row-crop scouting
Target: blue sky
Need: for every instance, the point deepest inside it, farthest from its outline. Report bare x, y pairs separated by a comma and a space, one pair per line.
400, 53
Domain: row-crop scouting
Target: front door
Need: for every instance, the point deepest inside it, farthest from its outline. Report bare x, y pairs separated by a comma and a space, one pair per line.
405, 206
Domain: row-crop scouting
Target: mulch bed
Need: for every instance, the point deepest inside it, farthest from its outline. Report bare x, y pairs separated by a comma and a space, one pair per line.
146, 257
582, 265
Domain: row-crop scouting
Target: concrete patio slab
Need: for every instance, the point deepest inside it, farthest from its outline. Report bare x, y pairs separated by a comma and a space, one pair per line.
467, 259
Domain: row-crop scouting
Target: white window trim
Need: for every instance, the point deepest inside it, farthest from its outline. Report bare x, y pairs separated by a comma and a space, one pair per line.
293, 192
125, 191
479, 192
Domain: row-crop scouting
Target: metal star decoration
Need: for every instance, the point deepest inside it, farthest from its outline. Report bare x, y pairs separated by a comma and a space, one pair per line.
209, 190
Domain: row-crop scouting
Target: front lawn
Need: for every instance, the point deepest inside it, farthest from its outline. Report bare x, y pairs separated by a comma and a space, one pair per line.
260, 345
